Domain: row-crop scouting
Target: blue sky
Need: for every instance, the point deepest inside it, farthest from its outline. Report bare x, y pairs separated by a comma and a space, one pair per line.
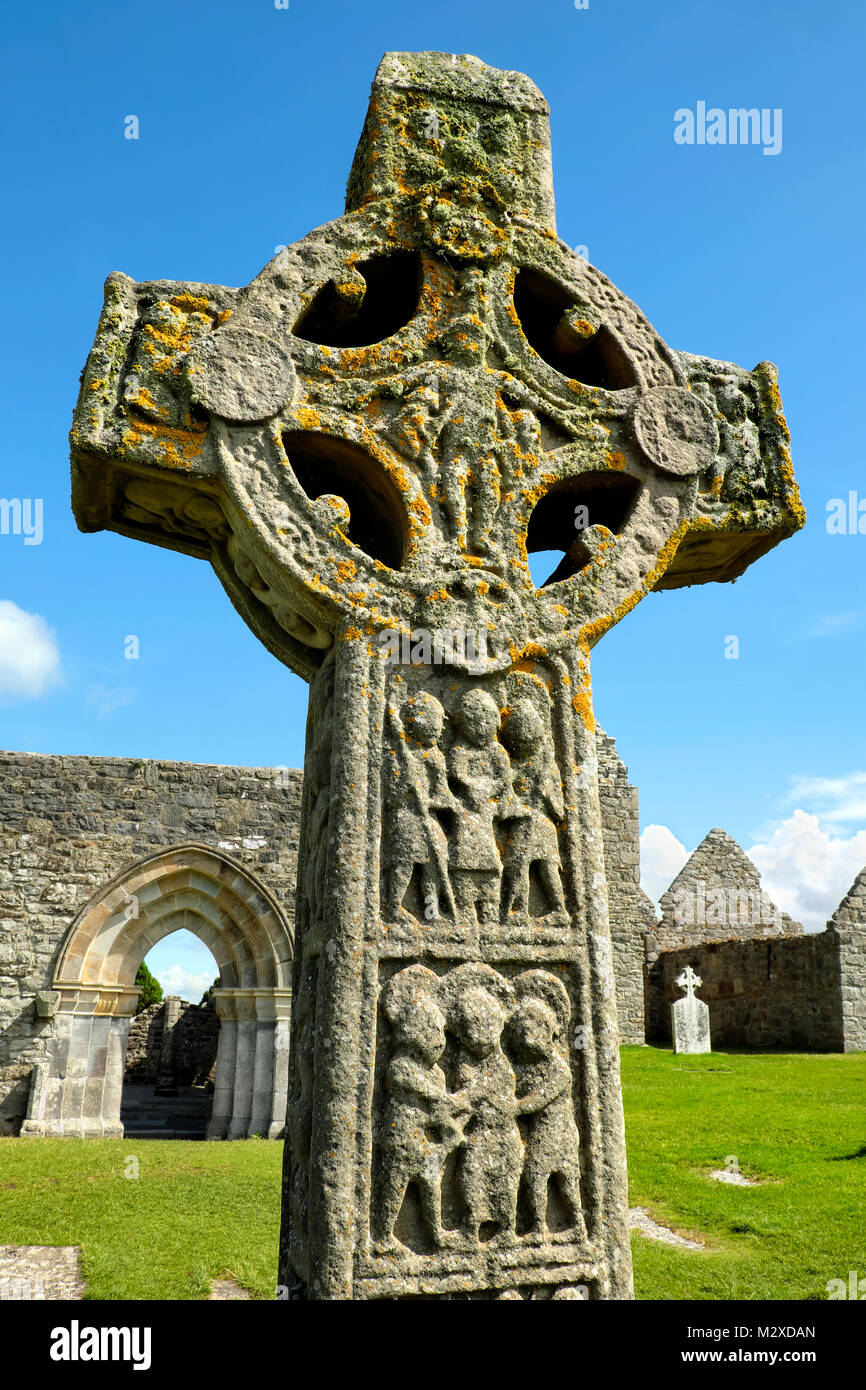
248, 120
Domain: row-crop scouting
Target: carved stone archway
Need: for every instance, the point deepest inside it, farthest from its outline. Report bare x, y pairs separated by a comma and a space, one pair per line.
77, 1092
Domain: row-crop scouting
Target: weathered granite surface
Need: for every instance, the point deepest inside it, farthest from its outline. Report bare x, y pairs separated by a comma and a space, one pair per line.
31, 1273
365, 441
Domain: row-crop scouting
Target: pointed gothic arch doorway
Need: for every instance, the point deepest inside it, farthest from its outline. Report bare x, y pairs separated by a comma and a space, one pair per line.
77, 1091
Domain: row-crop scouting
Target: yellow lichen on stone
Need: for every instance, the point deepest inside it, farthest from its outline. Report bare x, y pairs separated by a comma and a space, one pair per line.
345, 570
178, 447
192, 303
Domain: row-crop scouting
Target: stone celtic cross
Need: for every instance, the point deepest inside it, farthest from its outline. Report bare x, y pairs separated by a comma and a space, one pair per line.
687, 980
690, 1016
366, 443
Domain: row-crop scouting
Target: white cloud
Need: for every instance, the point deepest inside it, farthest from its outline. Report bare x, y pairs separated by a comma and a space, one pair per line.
29, 654
189, 984
806, 870
661, 858
834, 799
106, 699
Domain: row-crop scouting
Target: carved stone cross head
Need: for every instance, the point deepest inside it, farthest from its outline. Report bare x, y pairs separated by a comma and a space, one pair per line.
378, 430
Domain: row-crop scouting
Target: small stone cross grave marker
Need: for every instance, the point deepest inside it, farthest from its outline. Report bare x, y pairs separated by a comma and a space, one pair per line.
690, 1016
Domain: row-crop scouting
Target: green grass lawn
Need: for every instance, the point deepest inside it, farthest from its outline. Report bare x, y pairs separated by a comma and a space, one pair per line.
199, 1211
196, 1212
795, 1122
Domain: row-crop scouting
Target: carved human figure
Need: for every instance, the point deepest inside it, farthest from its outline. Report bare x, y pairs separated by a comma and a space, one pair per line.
532, 839
421, 1122
414, 428
481, 779
536, 1031
468, 470
489, 1157
449, 426
416, 793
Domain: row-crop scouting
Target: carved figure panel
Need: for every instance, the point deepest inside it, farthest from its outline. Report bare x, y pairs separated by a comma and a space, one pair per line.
472, 805
477, 1113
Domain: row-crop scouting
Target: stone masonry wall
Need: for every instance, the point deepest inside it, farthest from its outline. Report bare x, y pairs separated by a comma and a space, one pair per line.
781, 992
849, 923
195, 1047
632, 914
145, 1044
69, 824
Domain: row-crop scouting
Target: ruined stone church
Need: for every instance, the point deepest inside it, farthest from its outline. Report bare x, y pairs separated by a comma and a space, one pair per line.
100, 858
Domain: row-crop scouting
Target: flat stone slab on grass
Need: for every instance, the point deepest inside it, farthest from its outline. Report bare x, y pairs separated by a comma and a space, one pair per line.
223, 1289
639, 1219
29, 1272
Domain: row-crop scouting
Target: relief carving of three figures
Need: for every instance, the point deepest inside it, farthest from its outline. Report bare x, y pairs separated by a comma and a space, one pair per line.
508, 1118
477, 826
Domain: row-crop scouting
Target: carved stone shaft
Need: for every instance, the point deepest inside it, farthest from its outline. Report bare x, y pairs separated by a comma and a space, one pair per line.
424, 1093
366, 443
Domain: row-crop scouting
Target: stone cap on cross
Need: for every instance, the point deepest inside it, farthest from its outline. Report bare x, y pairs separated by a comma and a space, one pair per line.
377, 432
